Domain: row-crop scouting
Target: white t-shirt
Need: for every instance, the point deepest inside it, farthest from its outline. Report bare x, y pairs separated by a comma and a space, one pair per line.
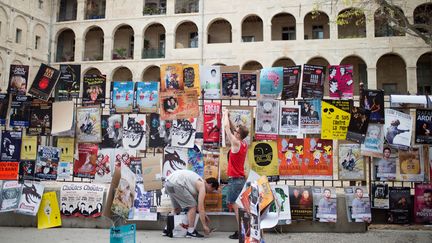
185, 178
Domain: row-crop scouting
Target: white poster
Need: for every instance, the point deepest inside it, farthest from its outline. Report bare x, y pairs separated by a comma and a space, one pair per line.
183, 132
398, 128
289, 122
31, 198
134, 131
81, 200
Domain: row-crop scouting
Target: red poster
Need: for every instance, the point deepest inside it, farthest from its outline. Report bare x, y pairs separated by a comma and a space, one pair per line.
9, 170
212, 122
85, 165
423, 203
290, 158
318, 159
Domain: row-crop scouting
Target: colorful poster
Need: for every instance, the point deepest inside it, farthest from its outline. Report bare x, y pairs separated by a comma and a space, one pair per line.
318, 159
341, 83
64, 171
240, 116
398, 129
310, 116
174, 159
44, 82
313, 81
325, 204
230, 82
289, 122
380, 195
112, 131
68, 86
423, 126
248, 84
134, 130
400, 205
18, 78
124, 193
47, 162
301, 201
29, 147
82, 200
211, 164
373, 100
345, 105
183, 133
423, 203
210, 81
30, 198
411, 165
4, 104
88, 125
146, 96
85, 165
122, 93
373, 144
358, 204
40, 118
351, 163
123, 234
267, 119
159, 131
291, 82
67, 146
143, 205
263, 159
9, 170
281, 193
10, 146
358, 124
94, 89
271, 82
334, 122
172, 77
212, 122
26, 169
48, 215
385, 166
123, 157
20, 110
178, 105
191, 77
290, 152
195, 161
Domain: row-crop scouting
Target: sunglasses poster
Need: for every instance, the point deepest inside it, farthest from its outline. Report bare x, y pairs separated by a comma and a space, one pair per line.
334, 122
267, 117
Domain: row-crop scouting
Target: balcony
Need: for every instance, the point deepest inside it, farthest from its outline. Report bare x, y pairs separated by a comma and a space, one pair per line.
154, 11
153, 53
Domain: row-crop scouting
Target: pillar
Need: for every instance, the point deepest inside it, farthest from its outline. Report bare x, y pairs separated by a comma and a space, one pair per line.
411, 79
372, 78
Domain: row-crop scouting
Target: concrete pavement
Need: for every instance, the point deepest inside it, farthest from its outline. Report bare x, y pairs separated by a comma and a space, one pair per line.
80, 235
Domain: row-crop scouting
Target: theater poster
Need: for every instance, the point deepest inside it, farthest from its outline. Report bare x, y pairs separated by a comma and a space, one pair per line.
40, 118
289, 121
230, 82
195, 160
290, 152
318, 159
301, 200
411, 164
240, 116
174, 159
313, 81
44, 82
211, 164
134, 131
373, 144
94, 89
10, 146
423, 203
325, 204
380, 195
263, 158
267, 119
29, 147
310, 116
191, 77
18, 78
48, 215
86, 163
4, 103
122, 93
358, 124
82, 200
178, 105
68, 86
271, 82
183, 133
341, 83
291, 82
210, 81
88, 125
358, 204
400, 205
212, 122
249, 81
398, 129
334, 122
423, 126
373, 100
351, 164
171, 77
146, 96
281, 194
47, 162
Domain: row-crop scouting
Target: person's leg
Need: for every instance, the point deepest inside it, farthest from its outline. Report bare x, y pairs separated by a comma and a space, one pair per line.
191, 214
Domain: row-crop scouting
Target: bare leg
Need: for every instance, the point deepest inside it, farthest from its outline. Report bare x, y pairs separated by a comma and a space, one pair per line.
191, 214
235, 207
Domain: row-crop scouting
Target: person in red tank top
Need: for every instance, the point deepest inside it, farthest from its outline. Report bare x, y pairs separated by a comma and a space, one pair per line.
236, 160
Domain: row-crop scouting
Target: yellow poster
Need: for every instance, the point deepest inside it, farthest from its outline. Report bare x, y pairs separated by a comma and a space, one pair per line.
265, 192
334, 122
171, 77
29, 147
191, 77
67, 146
49, 213
263, 158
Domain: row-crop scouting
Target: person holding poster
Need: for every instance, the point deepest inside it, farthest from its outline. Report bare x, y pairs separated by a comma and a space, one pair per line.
236, 160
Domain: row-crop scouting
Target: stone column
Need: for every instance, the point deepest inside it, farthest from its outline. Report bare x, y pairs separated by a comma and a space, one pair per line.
169, 44
79, 49
108, 48
300, 31
138, 46
81, 8
267, 30
372, 78
411, 73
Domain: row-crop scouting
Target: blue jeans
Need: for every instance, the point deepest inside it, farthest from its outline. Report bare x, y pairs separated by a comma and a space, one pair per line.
235, 185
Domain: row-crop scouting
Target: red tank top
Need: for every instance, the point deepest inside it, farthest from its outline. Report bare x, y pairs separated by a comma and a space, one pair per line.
236, 161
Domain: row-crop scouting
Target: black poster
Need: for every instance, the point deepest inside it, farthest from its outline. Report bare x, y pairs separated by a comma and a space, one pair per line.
26, 170
20, 110
10, 146
423, 125
18, 77
44, 82
230, 84
40, 118
4, 103
380, 195
313, 81
373, 100
159, 131
248, 85
68, 86
358, 125
301, 201
94, 89
112, 131
291, 82
400, 205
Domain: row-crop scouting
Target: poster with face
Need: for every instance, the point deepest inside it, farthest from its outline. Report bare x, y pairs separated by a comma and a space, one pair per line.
351, 163
373, 100
318, 159
122, 93
373, 144
265, 160
212, 122
248, 84
358, 125
191, 76
325, 204
271, 82
313, 81
230, 82
301, 201
174, 159
172, 77
341, 83
47, 162
81, 200
210, 81
423, 125
334, 122
93, 89
267, 119
88, 125
18, 77
10, 146
134, 131
146, 96
310, 116
385, 166
178, 105
398, 129
290, 152
112, 131
289, 122
183, 132
159, 131
380, 195
358, 204
423, 203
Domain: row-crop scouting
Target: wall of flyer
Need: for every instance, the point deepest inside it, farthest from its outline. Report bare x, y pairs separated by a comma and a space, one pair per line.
137, 133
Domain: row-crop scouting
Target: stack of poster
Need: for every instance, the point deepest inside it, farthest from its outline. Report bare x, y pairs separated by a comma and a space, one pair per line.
124, 193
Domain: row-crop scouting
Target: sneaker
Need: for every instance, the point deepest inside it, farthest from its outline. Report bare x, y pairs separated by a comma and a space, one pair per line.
194, 234
234, 236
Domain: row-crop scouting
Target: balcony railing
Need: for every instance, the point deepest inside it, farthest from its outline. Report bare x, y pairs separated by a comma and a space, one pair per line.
154, 11
153, 53
64, 17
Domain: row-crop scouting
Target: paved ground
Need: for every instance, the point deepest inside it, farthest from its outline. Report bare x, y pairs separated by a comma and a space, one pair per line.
33, 235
